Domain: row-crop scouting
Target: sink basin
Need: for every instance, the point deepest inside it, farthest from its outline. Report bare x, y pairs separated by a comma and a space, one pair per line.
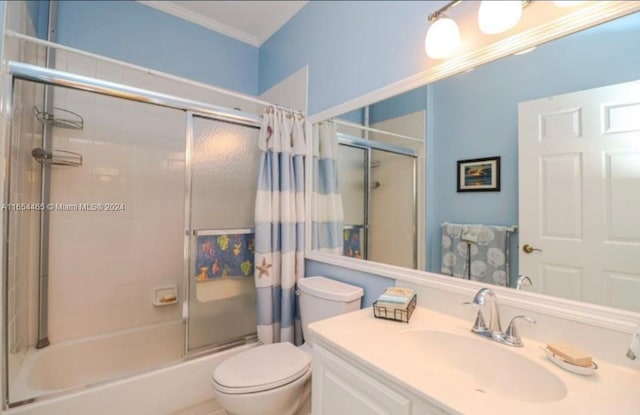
480, 365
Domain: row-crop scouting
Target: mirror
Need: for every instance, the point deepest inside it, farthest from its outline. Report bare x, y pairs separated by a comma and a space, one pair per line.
474, 115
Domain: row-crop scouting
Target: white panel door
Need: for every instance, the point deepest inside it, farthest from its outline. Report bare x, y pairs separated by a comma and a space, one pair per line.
579, 200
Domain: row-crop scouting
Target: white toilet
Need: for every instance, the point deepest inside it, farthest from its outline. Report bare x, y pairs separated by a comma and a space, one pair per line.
275, 379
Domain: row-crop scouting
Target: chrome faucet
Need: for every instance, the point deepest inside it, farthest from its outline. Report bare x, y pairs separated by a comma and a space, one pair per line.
480, 299
523, 281
494, 331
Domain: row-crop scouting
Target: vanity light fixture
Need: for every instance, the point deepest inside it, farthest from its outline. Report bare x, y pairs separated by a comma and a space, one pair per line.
499, 16
443, 37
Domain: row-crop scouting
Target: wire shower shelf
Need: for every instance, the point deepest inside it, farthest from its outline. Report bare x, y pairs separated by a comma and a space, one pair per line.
60, 118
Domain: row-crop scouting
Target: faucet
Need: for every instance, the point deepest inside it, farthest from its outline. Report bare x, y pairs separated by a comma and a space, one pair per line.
481, 298
523, 281
634, 348
511, 336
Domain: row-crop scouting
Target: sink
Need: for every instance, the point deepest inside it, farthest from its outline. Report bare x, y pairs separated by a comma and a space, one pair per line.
481, 365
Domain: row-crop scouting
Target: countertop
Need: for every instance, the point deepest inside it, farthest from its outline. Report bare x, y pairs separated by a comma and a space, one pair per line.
372, 344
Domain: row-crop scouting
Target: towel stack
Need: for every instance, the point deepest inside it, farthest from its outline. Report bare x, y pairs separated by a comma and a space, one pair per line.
395, 304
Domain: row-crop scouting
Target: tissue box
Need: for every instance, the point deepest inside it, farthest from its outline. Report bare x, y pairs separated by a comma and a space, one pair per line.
395, 304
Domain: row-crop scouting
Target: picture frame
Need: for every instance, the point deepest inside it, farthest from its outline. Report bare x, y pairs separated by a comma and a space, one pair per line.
479, 175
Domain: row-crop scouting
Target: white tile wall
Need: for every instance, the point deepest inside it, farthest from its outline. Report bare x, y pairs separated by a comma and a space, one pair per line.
104, 265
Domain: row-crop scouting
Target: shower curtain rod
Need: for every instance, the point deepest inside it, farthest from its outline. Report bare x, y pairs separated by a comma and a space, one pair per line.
84, 83
375, 130
159, 74
375, 145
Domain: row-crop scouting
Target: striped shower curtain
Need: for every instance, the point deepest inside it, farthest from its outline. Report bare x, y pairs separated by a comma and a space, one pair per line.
327, 215
279, 218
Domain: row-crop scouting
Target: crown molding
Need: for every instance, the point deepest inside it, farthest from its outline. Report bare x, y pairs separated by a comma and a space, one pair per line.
200, 20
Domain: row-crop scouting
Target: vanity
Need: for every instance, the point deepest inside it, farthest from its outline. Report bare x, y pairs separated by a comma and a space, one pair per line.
434, 365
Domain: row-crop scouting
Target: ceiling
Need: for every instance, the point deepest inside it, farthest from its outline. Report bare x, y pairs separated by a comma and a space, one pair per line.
252, 22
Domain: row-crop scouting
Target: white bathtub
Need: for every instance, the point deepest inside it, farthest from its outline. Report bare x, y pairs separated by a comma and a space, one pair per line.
71, 365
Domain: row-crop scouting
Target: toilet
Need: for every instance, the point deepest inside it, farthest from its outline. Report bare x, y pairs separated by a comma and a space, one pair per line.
275, 379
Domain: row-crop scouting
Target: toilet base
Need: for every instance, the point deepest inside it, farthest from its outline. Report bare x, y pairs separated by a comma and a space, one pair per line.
288, 399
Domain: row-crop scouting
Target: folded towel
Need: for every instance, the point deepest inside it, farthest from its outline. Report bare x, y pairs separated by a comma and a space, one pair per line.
392, 299
396, 298
471, 233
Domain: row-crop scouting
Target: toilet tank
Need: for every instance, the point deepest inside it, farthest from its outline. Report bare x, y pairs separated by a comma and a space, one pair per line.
321, 298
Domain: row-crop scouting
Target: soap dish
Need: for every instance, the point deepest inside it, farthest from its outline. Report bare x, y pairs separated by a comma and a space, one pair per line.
578, 370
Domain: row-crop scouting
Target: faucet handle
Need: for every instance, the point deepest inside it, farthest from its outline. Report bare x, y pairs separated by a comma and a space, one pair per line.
479, 326
523, 281
512, 336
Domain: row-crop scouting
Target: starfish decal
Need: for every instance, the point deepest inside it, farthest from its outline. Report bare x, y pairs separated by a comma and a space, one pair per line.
264, 268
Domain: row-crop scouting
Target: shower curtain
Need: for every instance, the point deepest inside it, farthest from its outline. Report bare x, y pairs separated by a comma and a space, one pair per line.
327, 215
279, 218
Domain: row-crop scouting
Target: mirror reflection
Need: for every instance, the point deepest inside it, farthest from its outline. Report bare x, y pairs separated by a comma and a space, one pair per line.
563, 121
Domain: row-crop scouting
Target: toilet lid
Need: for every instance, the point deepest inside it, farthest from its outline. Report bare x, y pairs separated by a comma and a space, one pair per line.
261, 368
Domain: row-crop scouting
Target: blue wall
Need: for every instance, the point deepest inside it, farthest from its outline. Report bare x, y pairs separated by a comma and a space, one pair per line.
475, 114
39, 13
407, 103
373, 285
351, 47
135, 33
3, 6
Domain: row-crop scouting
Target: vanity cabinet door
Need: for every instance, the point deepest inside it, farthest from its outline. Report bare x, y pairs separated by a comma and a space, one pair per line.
339, 388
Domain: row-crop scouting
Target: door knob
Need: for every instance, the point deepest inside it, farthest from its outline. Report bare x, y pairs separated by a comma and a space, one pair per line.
529, 249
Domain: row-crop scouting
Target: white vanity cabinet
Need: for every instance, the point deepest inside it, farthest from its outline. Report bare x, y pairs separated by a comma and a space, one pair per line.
434, 365
340, 388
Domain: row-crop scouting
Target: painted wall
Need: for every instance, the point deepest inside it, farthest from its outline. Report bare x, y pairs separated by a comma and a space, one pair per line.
133, 32
347, 52
373, 285
475, 115
38, 11
394, 107
3, 6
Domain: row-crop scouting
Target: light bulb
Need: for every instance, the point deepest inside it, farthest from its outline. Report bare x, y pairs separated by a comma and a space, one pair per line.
443, 38
567, 3
498, 16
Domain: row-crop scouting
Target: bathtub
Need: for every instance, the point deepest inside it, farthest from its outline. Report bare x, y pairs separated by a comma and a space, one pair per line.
69, 366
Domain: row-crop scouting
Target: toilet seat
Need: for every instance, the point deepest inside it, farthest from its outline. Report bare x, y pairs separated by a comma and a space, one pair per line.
261, 368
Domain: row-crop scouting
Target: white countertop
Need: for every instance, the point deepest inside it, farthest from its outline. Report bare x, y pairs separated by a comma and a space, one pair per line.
372, 344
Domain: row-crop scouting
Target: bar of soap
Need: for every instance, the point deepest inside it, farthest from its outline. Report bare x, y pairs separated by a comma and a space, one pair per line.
571, 354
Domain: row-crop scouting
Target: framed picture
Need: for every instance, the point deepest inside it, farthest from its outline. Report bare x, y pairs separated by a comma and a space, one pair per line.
479, 175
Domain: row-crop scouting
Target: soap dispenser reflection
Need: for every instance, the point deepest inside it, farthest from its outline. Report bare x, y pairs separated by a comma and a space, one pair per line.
634, 348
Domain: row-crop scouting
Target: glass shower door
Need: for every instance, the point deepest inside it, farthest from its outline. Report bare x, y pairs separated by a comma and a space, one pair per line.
392, 213
114, 246
224, 170
379, 196
353, 168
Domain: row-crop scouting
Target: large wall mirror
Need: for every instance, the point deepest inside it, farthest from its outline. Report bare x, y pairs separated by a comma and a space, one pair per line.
558, 126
